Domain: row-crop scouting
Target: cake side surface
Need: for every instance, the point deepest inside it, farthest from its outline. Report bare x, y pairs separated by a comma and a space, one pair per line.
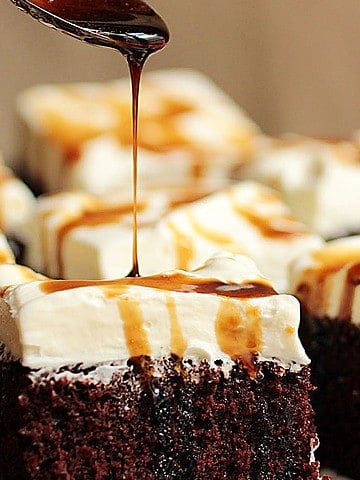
327, 283
185, 421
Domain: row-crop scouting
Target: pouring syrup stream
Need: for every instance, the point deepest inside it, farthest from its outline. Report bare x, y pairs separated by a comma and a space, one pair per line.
130, 26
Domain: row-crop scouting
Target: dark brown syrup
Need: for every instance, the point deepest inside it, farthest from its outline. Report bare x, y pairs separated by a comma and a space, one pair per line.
176, 282
130, 26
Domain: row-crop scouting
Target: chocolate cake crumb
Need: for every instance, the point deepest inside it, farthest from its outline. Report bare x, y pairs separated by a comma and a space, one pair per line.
334, 348
157, 420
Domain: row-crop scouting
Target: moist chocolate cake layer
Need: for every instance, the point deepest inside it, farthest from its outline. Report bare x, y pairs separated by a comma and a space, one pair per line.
156, 420
334, 348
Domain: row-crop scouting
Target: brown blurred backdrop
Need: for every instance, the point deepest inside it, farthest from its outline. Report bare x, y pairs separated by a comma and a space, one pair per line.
294, 65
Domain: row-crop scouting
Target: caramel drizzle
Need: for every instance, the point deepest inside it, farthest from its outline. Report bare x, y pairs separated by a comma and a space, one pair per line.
133, 324
237, 334
352, 281
277, 226
184, 243
177, 282
159, 133
5, 256
177, 342
184, 247
214, 236
91, 218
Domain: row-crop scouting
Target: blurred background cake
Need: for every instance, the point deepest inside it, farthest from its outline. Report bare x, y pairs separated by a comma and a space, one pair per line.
327, 281
79, 136
318, 178
79, 235
292, 66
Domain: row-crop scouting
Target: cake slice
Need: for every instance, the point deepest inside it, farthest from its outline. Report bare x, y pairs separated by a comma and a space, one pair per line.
327, 281
180, 375
16, 202
78, 235
79, 136
318, 178
81, 235
6, 252
246, 218
13, 274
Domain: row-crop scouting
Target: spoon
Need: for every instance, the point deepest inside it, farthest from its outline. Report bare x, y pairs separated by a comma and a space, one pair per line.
126, 25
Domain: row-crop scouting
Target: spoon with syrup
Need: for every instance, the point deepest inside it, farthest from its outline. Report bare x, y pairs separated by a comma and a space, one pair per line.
130, 26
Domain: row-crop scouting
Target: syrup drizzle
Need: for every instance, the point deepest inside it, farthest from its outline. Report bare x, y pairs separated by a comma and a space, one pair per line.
176, 282
135, 67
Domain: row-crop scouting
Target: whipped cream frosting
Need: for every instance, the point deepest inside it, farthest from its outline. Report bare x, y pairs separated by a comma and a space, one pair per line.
82, 236
16, 202
14, 274
246, 218
223, 310
317, 178
6, 254
327, 280
79, 135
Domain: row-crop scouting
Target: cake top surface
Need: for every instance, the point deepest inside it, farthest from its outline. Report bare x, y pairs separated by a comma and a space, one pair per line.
308, 171
327, 280
224, 310
184, 226
175, 113
246, 218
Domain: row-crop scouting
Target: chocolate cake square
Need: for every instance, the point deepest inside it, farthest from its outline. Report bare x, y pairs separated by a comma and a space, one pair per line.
185, 375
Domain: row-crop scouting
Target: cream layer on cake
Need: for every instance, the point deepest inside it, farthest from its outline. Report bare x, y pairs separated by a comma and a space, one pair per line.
318, 179
16, 202
82, 236
14, 274
327, 280
6, 254
223, 310
246, 218
79, 135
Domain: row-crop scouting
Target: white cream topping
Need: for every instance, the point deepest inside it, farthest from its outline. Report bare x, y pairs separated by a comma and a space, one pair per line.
317, 179
246, 218
327, 280
44, 325
79, 135
79, 235
16, 202
6, 254
13, 274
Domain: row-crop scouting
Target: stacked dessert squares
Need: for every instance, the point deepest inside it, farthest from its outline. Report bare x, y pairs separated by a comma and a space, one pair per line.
197, 371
